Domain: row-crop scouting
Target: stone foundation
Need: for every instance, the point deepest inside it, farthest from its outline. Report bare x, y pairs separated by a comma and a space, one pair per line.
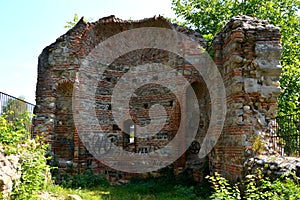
273, 166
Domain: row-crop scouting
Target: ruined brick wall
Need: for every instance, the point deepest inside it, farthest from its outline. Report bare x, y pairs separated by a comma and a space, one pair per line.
247, 53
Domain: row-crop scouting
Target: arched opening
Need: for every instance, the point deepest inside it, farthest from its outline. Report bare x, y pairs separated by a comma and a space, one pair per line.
63, 141
193, 162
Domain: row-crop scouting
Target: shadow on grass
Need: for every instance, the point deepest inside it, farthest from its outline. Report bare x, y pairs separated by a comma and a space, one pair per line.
90, 186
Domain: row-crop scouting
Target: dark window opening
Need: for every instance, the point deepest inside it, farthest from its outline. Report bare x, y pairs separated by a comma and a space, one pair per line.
116, 127
129, 133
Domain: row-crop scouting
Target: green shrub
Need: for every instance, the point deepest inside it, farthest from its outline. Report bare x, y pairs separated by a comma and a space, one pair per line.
222, 188
260, 187
13, 132
15, 139
255, 187
34, 170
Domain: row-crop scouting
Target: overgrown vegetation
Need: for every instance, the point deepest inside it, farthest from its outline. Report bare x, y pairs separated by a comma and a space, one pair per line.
171, 187
223, 189
166, 187
255, 187
85, 180
14, 108
15, 139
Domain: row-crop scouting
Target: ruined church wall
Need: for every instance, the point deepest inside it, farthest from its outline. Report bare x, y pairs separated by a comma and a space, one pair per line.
247, 52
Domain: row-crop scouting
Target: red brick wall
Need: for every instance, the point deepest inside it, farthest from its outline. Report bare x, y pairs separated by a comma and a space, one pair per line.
238, 50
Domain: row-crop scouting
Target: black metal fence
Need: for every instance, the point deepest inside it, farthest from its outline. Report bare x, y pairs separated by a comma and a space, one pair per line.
288, 134
17, 105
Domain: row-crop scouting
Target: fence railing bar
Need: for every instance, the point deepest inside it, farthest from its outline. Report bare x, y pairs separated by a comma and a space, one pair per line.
4, 102
287, 129
17, 98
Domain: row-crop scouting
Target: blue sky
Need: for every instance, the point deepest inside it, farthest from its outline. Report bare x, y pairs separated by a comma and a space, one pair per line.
29, 26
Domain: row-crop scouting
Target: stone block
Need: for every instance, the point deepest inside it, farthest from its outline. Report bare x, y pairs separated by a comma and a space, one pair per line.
251, 85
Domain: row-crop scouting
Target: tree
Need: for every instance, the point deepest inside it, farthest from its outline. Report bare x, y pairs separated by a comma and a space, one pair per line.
209, 16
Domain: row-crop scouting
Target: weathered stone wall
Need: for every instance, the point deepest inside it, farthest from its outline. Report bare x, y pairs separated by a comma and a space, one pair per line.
10, 171
246, 51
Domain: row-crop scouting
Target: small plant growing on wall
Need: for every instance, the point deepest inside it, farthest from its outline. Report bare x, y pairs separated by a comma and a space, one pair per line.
258, 144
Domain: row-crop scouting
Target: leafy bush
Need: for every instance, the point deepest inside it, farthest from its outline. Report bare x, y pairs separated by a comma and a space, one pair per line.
15, 139
222, 188
263, 188
255, 187
34, 170
13, 132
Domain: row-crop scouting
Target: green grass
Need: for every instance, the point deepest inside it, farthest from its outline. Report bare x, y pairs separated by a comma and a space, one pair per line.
174, 188
90, 194
150, 189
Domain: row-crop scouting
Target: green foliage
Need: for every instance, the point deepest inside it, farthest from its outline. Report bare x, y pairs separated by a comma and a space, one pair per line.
222, 188
150, 188
16, 140
255, 187
169, 187
258, 144
13, 132
85, 180
60, 192
34, 170
71, 24
14, 108
209, 16
185, 192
